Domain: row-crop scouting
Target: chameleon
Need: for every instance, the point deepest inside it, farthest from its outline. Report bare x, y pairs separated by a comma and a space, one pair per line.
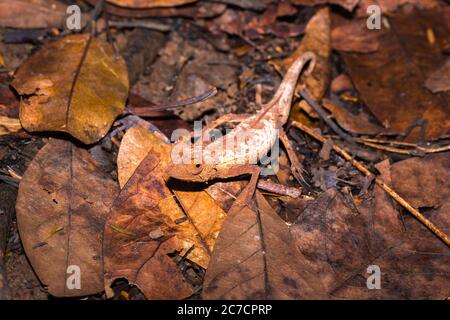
254, 135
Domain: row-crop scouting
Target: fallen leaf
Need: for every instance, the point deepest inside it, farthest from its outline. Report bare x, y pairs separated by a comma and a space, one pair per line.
134, 147
341, 84
137, 4
254, 258
359, 123
346, 4
316, 40
72, 85
423, 181
324, 234
205, 216
248, 4
341, 243
197, 10
9, 111
9, 125
439, 80
390, 6
164, 120
29, 14
393, 76
267, 23
354, 36
146, 205
62, 205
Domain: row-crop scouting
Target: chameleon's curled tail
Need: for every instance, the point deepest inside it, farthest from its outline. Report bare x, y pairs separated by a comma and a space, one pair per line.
283, 97
286, 89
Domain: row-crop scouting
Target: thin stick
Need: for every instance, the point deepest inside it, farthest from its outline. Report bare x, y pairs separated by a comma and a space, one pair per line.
325, 116
375, 143
149, 110
140, 24
441, 235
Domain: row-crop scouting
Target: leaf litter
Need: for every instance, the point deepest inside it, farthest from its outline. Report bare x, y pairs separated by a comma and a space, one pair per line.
161, 238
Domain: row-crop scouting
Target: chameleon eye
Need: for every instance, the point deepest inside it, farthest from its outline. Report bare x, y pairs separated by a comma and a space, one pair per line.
198, 168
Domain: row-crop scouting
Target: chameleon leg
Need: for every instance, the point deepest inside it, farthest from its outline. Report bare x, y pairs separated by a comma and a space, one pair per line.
296, 166
246, 195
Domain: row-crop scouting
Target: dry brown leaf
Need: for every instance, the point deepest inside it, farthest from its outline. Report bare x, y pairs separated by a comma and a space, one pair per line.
341, 83
62, 205
32, 13
439, 80
341, 243
9, 125
9, 111
164, 120
58, 98
254, 258
137, 4
359, 123
390, 80
196, 11
354, 36
132, 250
248, 4
423, 181
390, 6
317, 40
346, 4
205, 215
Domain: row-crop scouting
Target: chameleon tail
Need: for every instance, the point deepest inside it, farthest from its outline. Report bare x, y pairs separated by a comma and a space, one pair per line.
286, 89
283, 97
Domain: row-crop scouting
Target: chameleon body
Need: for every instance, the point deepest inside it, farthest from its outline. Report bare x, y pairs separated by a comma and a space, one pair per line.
254, 135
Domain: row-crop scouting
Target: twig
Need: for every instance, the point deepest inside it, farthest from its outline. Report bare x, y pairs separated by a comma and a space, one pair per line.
389, 149
279, 189
140, 24
325, 116
379, 182
377, 143
143, 110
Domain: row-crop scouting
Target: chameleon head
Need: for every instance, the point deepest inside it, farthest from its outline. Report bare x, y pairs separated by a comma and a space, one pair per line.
192, 172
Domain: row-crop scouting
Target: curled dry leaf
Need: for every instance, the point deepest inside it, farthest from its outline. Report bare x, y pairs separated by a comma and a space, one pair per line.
341, 243
205, 215
394, 75
32, 13
255, 258
317, 40
73, 85
138, 4
62, 205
